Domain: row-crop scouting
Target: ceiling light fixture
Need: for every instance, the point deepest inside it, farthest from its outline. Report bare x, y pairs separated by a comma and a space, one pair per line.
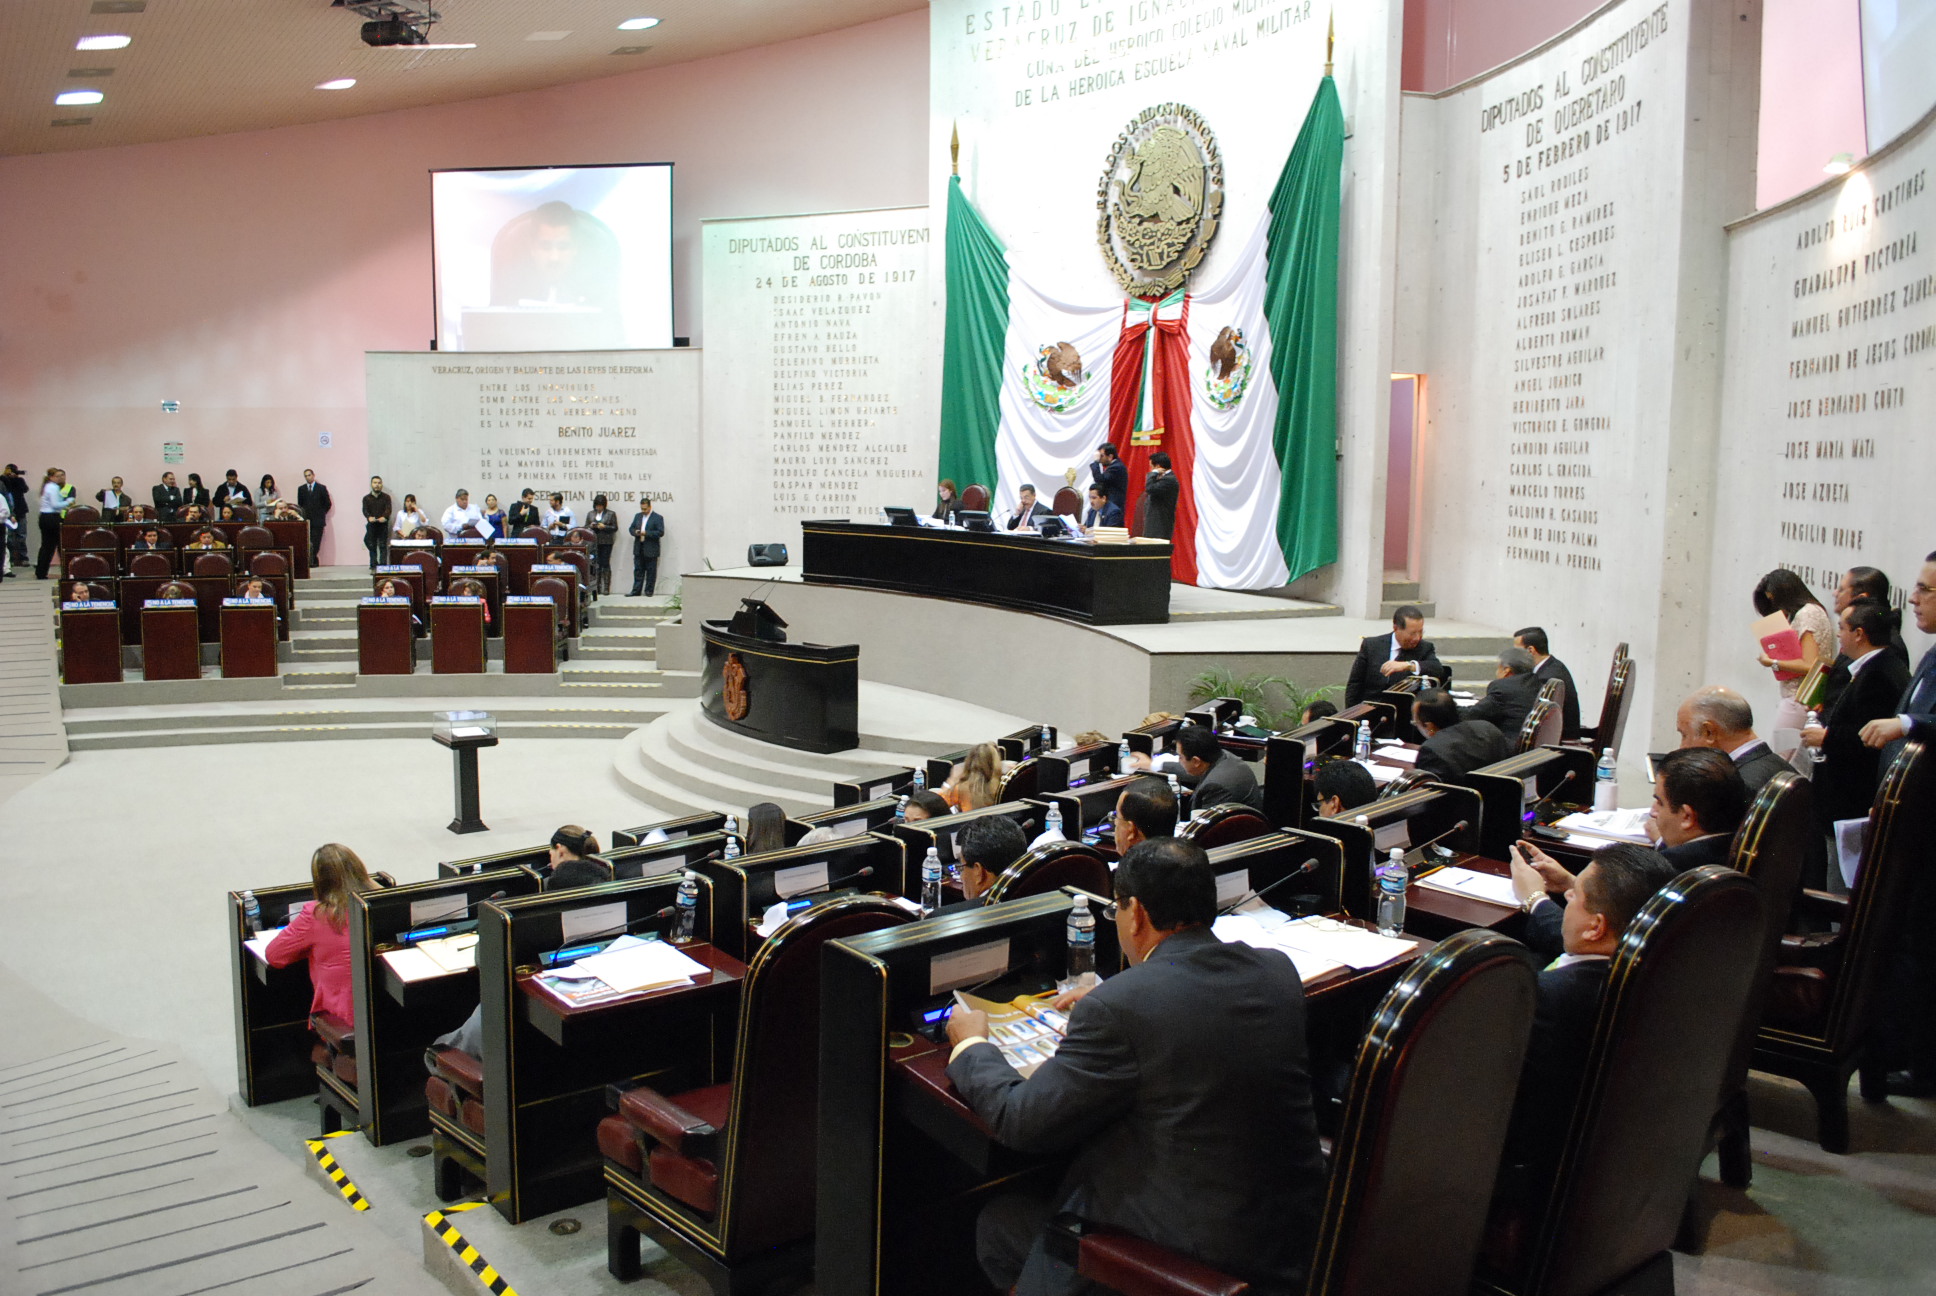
103, 42
638, 24
74, 98
340, 83
1840, 164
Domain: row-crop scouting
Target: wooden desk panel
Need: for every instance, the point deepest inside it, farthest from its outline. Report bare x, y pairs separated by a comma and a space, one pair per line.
171, 646
530, 637
248, 639
457, 636
90, 637
386, 643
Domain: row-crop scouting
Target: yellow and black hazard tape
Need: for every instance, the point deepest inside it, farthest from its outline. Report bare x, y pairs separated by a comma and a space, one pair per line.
448, 1234
319, 1148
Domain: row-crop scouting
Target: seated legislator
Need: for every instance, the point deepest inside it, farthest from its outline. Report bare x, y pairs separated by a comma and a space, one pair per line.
401, 589
765, 828
1100, 512
320, 930
153, 539
1846, 778
1699, 800
976, 783
1183, 1087
1318, 710
1580, 935
573, 843
947, 502
986, 848
1510, 696
1453, 746
1214, 776
1720, 718
1343, 786
1402, 653
1027, 513
205, 539
1145, 810
1548, 667
924, 805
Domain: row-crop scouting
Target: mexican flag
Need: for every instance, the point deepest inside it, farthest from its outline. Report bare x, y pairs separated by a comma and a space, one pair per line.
1236, 380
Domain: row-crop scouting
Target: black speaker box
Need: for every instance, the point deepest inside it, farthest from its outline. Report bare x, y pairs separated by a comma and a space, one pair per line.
766, 555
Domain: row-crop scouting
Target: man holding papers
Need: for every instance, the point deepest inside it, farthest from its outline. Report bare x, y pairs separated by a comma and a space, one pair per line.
1184, 1084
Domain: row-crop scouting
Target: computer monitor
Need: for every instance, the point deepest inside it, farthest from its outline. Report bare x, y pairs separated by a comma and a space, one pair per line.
1051, 527
975, 519
901, 517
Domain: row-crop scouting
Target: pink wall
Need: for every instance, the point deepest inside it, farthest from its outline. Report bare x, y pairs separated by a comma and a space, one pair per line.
1449, 41
1811, 93
245, 275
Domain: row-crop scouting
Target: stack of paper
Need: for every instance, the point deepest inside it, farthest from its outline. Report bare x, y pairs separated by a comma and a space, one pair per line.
1473, 885
452, 953
1397, 751
1593, 827
629, 965
259, 943
412, 964
1352, 946
1258, 925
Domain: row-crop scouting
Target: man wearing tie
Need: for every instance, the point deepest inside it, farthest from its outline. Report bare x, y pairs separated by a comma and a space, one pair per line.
1101, 512
1845, 780
167, 498
647, 529
1914, 1012
1403, 652
1112, 475
312, 501
1027, 512
112, 500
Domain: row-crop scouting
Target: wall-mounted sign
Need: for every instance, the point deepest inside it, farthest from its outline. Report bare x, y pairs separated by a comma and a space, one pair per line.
171, 407
171, 452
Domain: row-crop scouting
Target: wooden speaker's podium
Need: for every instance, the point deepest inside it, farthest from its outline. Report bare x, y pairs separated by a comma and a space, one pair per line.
90, 635
805, 696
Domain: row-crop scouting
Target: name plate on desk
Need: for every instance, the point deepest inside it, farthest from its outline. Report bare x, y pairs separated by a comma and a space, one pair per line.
168, 603
459, 600
527, 600
966, 966
248, 602
384, 600
398, 569
463, 544
424, 545
92, 605
508, 542
553, 567
486, 570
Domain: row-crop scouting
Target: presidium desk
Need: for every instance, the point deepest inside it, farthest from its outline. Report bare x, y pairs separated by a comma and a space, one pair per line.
1099, 584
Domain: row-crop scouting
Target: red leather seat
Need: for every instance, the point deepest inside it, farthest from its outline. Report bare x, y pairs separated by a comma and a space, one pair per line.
335, 1057
1068, 503
213, 564
1221, 825
147, 563
268, 564
537, 533
975, 497
455, 1095
97, 539
1050, 867
88, 567
81, 513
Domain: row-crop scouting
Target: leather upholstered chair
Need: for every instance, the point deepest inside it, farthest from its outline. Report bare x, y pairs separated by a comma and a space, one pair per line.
97, 540
1068, 503
1828, 987
254, 538
147, 563
87, 567
1410, 781
334, 1054
723, 1176
537, 533
1406, 1203
213, 564
268, 563
975, 497
176, 590
560, 595
1612, 724
581, 537
1022, 782
433, 575
97, 591
437, 535
1050, 867
81, 513
455, 1095
1542, 724
1680, 980
1223, 824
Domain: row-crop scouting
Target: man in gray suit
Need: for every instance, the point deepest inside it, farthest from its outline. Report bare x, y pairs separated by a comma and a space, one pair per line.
1720, 718
1510, 696
1183, 1085
647, 530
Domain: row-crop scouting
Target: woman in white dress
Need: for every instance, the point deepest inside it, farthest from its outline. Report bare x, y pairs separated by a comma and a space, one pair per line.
1783, 591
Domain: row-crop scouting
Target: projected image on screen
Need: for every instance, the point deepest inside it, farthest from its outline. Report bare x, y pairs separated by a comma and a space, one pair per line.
553, 259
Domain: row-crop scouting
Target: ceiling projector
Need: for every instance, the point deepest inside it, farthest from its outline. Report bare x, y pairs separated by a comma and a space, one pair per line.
385, 32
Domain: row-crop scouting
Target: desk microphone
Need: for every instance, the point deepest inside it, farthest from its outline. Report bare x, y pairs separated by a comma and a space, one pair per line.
572, 953
1257, 893
1432, 841
855, 876
666, 912
495, 895
1531, 815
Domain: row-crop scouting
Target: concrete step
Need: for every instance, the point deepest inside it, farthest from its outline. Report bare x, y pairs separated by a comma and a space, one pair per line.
687, 742
1399, 589
641, 640
589, 649
574, 673
609, 710
668, 773
190, 737
1390, 606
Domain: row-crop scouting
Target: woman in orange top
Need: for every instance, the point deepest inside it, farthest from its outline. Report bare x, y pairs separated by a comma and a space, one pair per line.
978, 782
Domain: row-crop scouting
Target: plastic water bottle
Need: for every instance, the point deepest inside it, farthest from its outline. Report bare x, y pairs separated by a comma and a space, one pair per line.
1814, 754
1361, 745
1043, 741
1392, 881
251, 912
731, 828
931, 881
1606, 782
1082, 939
1052, 821
920, 779
1125, 762
900, 809
732, 846
687, 920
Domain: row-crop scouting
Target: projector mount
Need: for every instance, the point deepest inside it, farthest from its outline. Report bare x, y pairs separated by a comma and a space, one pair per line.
392, 22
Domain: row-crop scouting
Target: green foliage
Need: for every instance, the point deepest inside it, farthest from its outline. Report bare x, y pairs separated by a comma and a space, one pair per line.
1275, 701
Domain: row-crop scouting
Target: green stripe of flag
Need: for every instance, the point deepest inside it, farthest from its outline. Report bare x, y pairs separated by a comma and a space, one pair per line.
971, 358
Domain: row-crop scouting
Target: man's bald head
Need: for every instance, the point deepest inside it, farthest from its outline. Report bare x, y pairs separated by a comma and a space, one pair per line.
1716, 717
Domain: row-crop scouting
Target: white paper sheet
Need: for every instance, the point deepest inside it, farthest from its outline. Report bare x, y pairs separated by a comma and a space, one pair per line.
259, 943
641, 965
1383, 774
1262, 928
966, 966
592, 920
1395, 835
790, 882
1397, 752
1473, 885
1851, 835
435, 909
413, 965
1610, 825
1352, 946
452, 953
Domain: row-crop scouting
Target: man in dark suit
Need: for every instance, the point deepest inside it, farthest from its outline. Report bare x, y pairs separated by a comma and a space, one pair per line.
1916, 710
1699, 800
1144, 810
1868, 583
1213, 775
524, 513
1548, 667
167, 497
1183, 1086
312, 501
1159, 498
1509, 698
647, 530
1846, 778
1453, 747
1112, 474
986, 848
1101, 511
1027, 512
1720, 718
1580, 934
1403, 652
232, 491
